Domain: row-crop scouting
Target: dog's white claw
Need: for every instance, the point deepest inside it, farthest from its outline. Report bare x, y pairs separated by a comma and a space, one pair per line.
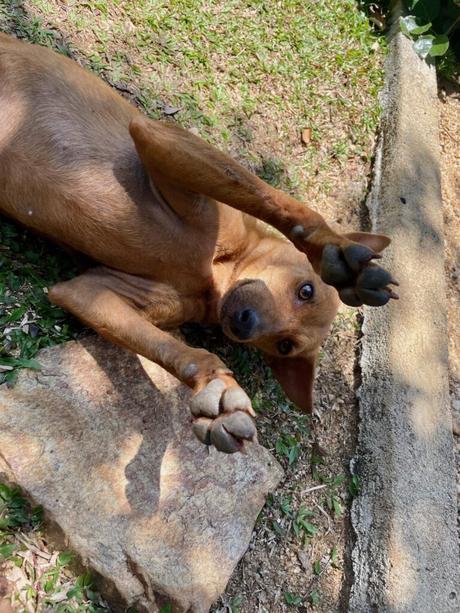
236, 399
207, 401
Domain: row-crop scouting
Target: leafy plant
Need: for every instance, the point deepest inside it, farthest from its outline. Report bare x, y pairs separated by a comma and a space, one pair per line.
292, 600
235, 603
314, 598
288, 446
354, 485
431, 24
28, 322
15, 511
49, 583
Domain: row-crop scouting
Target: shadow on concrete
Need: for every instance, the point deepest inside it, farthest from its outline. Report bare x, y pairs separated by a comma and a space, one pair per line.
406, 524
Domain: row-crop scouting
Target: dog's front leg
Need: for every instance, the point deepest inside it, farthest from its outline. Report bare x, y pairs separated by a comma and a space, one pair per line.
344, 261
104, 300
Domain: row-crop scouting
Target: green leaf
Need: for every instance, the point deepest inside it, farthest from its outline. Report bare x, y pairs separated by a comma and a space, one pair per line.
439, 46
354, 485
20, 362
5, 492
65, 558
410, 27
236, 603
51, 581
291, 599
308, 527
280, 447
336, 506
75, 592
314, 598
423, 46
317, 567
293, 454
166, 608
84, 580
285, 506
37, 516
334, 555
6, 550
338, 480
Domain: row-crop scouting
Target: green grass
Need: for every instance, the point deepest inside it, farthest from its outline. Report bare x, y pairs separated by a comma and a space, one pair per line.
28, 322
249, 76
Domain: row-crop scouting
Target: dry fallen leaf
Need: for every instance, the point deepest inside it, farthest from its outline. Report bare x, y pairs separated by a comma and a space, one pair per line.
305, 136
170, 110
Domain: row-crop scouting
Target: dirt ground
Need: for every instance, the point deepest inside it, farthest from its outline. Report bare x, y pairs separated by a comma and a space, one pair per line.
449, 108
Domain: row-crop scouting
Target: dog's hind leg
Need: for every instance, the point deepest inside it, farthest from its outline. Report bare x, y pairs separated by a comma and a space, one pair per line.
121, 307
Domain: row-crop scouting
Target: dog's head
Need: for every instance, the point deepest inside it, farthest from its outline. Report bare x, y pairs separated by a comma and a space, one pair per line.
280, 305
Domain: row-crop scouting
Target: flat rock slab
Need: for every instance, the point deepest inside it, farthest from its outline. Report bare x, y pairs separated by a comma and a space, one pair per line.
405, 557
102, 439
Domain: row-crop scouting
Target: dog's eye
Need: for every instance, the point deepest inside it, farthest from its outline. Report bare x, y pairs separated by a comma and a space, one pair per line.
285, 346
306, 292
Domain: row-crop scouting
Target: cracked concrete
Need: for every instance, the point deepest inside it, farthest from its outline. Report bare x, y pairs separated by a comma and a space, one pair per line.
102, 439
406, 558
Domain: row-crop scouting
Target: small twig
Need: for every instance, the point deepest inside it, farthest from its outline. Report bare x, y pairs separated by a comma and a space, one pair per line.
312, 489
327, 517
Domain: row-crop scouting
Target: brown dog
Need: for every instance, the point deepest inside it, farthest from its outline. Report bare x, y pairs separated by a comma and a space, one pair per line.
145, 199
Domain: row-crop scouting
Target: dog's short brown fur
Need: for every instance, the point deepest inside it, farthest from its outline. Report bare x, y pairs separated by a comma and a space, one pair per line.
145, 200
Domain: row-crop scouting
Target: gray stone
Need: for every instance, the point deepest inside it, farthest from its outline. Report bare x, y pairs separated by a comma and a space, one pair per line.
405, 557
102, 439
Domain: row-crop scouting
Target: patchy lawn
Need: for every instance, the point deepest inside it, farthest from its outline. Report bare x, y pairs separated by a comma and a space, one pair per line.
290, 89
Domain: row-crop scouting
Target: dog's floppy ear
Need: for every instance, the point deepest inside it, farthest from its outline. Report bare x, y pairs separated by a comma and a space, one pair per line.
376, 242
296, 376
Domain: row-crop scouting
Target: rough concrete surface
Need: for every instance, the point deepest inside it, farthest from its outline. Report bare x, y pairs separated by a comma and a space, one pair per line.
405, 556
102, 439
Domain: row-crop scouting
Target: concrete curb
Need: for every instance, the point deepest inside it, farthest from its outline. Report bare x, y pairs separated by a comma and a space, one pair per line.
405, 556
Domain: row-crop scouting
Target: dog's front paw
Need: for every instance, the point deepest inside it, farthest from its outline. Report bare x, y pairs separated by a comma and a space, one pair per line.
351, 271
223, 415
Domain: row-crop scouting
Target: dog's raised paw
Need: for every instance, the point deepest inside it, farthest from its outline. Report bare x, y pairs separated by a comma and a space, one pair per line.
358, 280
223, 416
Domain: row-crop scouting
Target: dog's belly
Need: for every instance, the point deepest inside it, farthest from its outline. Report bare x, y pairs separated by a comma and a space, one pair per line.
137, 233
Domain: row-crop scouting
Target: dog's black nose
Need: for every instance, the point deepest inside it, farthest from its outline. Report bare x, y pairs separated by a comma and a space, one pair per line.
244, 323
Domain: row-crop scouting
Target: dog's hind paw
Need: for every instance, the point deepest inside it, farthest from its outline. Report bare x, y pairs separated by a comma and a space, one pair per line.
358, 280
223, 415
